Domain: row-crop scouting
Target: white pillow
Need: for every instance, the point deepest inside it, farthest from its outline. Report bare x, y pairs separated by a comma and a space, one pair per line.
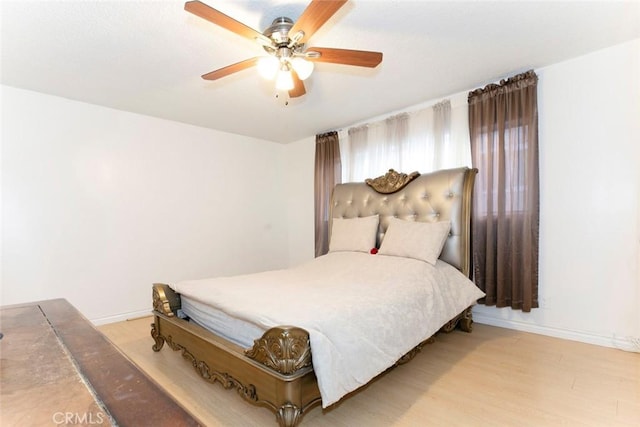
419, 240
354, 234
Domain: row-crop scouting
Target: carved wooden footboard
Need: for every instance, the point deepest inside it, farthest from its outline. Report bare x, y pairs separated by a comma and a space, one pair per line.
275, 373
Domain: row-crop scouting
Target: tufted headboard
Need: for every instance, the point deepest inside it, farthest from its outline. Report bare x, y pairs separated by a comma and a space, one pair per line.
437, 196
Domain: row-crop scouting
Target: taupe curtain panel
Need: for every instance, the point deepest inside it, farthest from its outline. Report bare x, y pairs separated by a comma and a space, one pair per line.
327, 175
503, 126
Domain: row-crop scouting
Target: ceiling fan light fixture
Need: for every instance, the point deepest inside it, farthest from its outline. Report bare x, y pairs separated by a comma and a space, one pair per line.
268, 67
287, 61
302, 67
284, 80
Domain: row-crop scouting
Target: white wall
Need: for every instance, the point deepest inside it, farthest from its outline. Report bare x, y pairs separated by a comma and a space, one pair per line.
589, 124
300, 161
97, 204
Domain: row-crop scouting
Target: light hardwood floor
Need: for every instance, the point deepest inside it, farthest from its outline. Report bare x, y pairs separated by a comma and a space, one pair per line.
491, 377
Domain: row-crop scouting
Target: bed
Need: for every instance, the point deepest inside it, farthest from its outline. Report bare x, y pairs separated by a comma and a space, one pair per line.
288, 340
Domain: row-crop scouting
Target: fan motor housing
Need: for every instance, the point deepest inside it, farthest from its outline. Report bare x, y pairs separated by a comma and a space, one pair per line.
279, 30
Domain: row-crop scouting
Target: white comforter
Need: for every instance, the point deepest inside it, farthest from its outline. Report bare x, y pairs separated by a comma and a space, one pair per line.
363, 312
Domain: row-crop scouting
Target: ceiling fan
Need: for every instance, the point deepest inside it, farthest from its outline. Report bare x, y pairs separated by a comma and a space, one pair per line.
288, 60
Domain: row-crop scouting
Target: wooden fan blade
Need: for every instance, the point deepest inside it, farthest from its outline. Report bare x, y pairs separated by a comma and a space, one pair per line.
314, 16
298, 86
230, 69
359, 58
212, 15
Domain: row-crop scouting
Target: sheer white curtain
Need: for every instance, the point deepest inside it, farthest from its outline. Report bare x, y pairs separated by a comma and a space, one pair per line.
375, 146
422, 140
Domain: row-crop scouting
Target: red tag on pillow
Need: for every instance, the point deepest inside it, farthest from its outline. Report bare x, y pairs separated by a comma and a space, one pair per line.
373, 251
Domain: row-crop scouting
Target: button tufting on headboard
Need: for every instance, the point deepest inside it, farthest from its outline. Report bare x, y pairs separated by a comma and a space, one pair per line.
438, 196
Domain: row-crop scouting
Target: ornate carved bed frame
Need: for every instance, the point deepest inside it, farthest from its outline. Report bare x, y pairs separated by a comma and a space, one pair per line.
276, 372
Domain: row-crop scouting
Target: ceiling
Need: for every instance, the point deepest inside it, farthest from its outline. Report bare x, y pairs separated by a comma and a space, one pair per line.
147, 56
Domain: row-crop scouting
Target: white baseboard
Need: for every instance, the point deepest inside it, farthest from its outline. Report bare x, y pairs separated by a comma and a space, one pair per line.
121, 317
621, 343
